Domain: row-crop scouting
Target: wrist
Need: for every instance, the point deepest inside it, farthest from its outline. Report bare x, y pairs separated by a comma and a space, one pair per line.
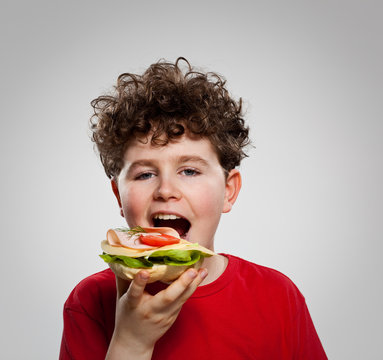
128, 348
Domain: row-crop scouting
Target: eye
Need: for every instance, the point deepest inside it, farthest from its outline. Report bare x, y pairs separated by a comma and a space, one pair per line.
144, 176
190, 172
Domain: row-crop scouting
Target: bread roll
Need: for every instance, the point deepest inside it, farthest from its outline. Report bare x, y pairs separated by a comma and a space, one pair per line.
159, 272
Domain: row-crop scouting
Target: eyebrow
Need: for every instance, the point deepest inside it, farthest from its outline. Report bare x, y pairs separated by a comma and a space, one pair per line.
192, 158
178, 160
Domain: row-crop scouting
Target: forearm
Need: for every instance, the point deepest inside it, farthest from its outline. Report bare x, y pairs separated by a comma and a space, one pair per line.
128, 350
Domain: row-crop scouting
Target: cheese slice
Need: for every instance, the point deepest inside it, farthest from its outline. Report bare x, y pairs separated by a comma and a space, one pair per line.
182, 245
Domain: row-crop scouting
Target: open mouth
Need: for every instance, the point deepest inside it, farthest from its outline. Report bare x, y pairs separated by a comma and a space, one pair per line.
181, 225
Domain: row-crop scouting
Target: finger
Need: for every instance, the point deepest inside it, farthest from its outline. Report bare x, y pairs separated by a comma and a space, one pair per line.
137, 287
202, 273
189, 280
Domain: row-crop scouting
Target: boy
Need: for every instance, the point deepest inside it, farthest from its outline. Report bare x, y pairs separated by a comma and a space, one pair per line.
171, 141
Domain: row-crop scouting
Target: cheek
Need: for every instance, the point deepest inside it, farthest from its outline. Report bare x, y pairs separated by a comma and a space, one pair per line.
132, 202
209, 200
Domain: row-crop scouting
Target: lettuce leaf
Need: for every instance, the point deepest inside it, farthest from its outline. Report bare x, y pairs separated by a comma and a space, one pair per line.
127, 261
175, 257
169, 257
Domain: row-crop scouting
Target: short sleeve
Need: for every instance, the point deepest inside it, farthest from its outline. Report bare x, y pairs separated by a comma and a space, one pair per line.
83, 337
309, 346
89, 318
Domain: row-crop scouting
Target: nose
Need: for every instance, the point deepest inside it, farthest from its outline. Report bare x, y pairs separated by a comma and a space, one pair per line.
167, 189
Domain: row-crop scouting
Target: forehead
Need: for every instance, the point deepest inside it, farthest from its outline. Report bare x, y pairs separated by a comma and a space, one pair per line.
183, 143
142, 148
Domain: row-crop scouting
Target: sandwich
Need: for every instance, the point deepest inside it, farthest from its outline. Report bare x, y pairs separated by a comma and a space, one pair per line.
158, 250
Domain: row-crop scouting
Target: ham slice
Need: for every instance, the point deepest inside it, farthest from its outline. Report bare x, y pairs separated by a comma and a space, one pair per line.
132, 240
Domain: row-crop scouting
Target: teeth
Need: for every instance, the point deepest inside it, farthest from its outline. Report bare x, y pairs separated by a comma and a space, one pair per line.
166, 217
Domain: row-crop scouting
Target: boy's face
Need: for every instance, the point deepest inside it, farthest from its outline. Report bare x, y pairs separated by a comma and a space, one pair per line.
183, 179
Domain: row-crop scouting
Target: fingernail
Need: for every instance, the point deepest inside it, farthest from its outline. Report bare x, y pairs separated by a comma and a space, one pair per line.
144, 275
203, 273
192, 274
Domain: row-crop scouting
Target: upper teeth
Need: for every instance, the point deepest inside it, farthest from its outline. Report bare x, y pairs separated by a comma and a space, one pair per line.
166, 216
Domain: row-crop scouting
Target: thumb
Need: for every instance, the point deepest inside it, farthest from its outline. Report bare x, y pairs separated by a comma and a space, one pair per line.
137, 287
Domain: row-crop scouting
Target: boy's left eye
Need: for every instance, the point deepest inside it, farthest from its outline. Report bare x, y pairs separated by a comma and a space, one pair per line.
189, 172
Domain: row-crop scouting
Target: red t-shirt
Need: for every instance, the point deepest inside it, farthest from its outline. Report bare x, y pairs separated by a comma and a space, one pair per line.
249, 312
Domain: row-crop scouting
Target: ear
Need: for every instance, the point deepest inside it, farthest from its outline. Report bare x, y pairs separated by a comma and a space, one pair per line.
117, 194
233, 185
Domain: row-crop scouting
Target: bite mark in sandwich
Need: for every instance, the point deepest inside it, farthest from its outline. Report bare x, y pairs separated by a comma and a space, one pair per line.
158, 250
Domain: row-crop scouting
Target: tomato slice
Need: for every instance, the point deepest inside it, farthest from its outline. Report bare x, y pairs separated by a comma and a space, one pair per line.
158, 240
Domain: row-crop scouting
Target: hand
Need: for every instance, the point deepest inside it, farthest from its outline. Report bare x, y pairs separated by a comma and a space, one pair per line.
141, 319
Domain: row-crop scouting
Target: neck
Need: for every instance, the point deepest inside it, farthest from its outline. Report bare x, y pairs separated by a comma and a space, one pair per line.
215, 266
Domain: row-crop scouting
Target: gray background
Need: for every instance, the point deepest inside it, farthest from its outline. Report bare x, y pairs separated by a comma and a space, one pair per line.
310, 73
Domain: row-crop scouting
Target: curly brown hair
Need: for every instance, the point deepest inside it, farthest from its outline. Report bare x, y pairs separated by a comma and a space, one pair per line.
167, 102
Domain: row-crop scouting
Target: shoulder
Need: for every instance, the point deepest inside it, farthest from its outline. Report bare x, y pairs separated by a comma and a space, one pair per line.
261, 279
246, 267
94, 289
